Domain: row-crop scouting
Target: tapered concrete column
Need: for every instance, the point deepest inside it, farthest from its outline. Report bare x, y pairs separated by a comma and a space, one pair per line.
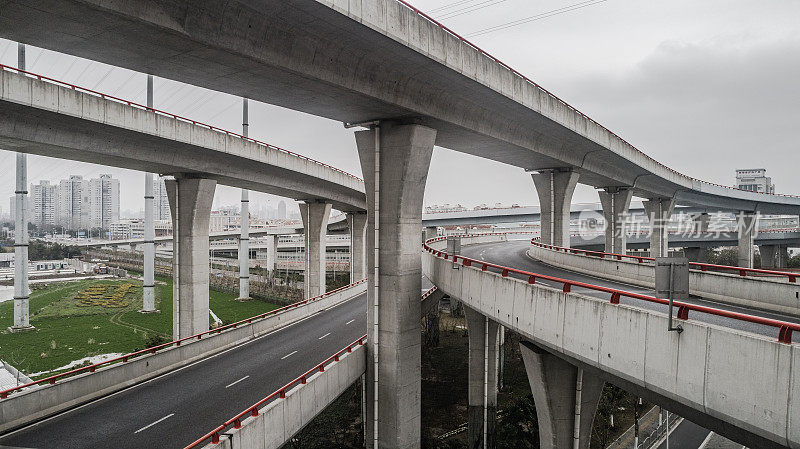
148, 284
357, 226
268, 255
768, 255
315, 222
244, 248
190, 203
696, 254
563, 395
483, 358
699, 228
616, 202
21, 291
555, 189
782, 257
659, 211
431, 232
394, 186
746, 227
700, 223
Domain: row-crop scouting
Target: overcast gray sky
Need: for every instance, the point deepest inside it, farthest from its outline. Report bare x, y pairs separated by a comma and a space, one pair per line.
703, 86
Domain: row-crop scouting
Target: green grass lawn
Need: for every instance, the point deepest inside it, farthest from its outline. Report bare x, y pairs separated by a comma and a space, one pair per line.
67, 330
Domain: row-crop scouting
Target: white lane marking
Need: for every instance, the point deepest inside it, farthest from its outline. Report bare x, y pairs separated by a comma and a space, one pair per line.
154, 423
234, 383
172, 373
289, 355
320, 338
349, 322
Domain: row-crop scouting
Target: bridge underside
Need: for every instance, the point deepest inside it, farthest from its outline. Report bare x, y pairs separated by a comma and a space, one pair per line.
376, 61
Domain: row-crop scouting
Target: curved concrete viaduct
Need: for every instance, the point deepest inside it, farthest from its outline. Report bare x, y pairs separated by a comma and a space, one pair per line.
85, 127
750, 398
414, 84
386, 62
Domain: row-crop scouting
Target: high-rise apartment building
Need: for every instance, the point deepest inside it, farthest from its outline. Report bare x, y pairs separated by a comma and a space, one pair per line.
103, 201
160, 200
42, 204
281, 210
72, 206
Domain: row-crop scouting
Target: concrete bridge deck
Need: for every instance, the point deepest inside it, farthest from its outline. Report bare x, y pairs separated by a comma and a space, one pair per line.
360, 61
693, 374
86, 127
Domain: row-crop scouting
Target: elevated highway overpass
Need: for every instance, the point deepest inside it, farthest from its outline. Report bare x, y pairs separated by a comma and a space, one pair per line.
388, 61
612, 331
380, 64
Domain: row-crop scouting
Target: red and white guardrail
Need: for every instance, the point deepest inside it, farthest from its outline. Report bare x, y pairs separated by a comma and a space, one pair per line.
175, 116
785, 329
641, 259
253, 410
123, 359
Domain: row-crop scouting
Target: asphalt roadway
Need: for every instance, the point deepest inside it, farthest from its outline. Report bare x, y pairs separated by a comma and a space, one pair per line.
176, 408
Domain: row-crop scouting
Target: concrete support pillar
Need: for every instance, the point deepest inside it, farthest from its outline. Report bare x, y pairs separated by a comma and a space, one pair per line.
700, 223
148, 284
659, 211
270, 252
431, 232
357, 226
699, 229
149, 262
782, 257
696, 254
190, 203
555, 189
244, 238
746, 227
244, 248
21, 291
768, 255
395, 161
616, 202
565, 396
483, 371
315, 223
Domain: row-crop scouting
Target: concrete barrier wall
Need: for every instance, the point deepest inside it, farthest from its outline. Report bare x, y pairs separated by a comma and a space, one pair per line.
21, 408
768, 294
745, 386
283, 418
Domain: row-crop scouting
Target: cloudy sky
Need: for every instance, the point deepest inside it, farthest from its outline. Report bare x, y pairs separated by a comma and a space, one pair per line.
704, 87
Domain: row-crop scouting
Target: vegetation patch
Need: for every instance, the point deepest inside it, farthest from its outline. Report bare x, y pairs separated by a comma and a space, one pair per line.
88, 318
106, 296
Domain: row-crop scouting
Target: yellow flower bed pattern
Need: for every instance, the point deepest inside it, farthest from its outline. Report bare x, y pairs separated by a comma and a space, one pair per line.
108, 296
